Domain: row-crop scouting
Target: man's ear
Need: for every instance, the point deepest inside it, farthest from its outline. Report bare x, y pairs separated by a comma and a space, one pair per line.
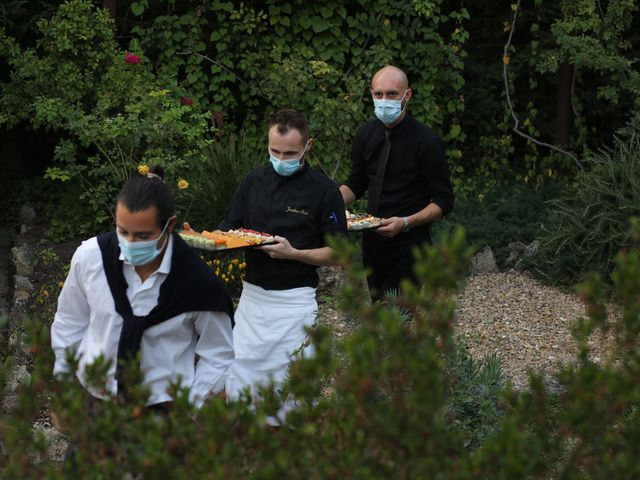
408, 95
309, 144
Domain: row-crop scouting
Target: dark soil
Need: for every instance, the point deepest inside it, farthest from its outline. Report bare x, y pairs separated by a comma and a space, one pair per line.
50, 262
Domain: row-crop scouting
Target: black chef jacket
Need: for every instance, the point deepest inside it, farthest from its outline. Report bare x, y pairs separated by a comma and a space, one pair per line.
416, 173
303, 208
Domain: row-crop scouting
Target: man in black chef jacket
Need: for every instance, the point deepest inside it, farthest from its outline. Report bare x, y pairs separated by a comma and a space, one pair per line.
401, 164
300, 207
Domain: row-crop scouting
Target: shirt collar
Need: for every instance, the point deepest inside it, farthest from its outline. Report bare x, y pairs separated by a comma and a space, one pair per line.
165, 266
399, 127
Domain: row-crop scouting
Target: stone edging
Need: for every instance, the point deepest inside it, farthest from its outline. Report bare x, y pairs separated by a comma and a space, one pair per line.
19, 289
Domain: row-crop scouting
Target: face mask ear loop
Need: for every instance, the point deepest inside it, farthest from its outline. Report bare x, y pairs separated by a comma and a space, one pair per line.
405, 105
161, 234
301, 159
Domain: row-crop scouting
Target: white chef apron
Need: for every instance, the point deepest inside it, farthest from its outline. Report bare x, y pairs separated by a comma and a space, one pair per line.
269, 331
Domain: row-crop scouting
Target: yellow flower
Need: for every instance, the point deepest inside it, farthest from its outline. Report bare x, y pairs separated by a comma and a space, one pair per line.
143, 169
182, 184
243, 266
386, 21
234, 261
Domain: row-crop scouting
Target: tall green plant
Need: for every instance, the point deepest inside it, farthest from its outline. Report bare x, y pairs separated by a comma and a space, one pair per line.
592, 429
590, 223
214, 179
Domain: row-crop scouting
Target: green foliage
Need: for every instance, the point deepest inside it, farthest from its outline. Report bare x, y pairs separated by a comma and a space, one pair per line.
19, 17
215, 177
403, 401
599, 42
505, 214
244, 61
400, 394
590, 222
110, 110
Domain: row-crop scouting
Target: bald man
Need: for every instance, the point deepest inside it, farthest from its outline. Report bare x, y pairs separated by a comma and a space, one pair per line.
401, 164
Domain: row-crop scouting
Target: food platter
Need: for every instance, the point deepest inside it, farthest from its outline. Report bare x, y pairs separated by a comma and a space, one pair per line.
219, 240
361, 221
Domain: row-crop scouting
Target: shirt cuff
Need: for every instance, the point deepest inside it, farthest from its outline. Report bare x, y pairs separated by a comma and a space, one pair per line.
61, 368
201, 391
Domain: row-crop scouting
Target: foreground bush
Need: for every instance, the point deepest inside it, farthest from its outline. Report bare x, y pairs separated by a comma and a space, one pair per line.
382, 403
391, 401
589, 224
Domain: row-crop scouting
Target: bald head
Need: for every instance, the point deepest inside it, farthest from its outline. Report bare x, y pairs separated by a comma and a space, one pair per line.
391, 74
390, 83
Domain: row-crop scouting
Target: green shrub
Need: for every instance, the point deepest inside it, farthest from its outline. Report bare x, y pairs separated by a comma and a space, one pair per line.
111, 112
216, 176
592, 429
245, 60
589, 224
402, 402
509, 213
382, 410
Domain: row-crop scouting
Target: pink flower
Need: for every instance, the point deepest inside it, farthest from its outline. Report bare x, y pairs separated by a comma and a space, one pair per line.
186, 101
131, 59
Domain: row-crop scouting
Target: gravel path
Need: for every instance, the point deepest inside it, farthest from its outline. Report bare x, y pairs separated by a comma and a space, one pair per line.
524, 322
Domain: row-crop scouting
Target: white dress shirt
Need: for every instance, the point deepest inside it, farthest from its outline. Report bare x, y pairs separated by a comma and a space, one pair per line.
195, 348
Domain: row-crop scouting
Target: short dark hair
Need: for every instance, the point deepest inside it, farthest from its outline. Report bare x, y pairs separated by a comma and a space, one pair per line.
143, 192
287, 119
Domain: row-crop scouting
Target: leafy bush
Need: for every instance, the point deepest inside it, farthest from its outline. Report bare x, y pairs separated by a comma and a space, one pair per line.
111, 112
508, 213
381, 410
392, 407
589, 224
246, 60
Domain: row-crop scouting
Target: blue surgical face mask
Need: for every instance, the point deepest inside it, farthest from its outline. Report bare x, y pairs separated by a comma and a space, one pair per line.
141, 253
388, 111
287, 167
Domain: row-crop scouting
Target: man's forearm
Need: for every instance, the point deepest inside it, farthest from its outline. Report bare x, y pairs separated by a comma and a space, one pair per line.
320, 257
428, 214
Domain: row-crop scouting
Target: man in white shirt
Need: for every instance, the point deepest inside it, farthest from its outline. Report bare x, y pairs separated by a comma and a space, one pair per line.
142, 289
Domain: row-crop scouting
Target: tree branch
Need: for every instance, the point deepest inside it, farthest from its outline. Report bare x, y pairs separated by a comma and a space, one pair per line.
510, 104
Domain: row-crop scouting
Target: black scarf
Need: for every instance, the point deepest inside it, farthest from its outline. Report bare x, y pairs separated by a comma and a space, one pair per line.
190, 287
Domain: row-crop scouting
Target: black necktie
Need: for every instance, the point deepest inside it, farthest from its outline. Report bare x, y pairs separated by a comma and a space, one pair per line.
375, 184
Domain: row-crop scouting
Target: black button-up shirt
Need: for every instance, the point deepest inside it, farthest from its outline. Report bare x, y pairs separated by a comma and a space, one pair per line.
416, 173
303, 208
